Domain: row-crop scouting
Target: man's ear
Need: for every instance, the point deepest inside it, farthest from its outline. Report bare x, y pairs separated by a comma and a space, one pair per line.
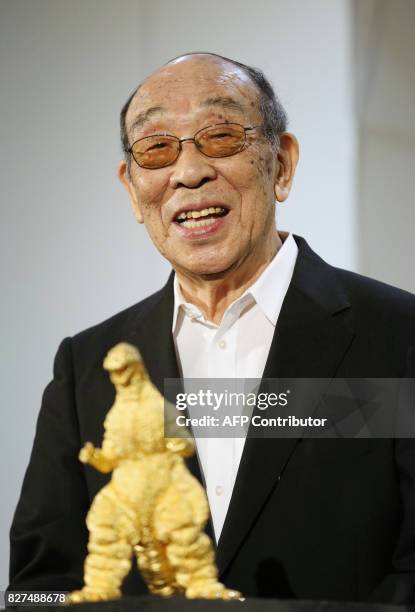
124, 176
288, 153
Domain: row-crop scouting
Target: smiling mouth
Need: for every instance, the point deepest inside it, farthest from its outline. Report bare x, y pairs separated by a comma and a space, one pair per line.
200, 218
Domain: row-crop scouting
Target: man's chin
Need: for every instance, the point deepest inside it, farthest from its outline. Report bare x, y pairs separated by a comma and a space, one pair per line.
208, 270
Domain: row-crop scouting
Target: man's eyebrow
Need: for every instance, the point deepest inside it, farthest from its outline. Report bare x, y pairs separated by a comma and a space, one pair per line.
224, 102
146, 115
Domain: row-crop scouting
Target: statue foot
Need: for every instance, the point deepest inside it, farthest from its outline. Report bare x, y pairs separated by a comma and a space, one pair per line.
211, 590
88, 594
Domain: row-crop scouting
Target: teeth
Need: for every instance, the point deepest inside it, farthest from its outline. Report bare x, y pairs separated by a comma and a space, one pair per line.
195, 214
201, 223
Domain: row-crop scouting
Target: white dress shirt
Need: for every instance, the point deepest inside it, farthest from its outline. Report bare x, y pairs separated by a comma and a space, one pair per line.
236, 349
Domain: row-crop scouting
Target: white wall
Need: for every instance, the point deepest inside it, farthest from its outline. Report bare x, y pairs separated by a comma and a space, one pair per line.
387, 143
72, 252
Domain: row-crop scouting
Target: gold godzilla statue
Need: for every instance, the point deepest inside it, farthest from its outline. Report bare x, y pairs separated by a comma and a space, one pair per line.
152, 507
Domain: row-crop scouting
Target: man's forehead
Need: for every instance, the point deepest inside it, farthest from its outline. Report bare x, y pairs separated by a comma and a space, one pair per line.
199, 80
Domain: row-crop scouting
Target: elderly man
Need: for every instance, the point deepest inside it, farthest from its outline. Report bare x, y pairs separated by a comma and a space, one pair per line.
206, 156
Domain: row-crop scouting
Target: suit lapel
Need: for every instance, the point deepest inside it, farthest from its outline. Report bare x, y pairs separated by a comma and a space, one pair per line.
310, 341
153, 336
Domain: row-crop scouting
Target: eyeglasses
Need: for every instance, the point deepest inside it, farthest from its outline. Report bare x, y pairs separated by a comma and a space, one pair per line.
160, 150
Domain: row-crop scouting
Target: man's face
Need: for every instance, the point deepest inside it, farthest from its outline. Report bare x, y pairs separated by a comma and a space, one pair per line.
180, 99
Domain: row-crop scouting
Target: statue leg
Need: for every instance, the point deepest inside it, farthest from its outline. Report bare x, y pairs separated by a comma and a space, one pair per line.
189, 551
112, 535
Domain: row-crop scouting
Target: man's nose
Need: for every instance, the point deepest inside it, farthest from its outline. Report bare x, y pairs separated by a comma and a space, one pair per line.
191, 169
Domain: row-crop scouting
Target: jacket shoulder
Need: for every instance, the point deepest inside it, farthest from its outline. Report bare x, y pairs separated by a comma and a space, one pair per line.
376, 296
337, 288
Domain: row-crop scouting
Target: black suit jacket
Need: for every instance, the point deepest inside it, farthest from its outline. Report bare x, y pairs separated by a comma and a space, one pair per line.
323, 519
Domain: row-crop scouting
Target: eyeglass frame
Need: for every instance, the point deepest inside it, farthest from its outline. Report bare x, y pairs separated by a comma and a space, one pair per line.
180, 140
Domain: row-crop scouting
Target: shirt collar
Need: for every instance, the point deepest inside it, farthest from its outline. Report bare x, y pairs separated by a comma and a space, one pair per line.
180, 304
268, 291
270, 288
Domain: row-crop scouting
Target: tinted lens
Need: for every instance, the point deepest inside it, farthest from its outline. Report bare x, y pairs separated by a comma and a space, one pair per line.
155, 151
221, 140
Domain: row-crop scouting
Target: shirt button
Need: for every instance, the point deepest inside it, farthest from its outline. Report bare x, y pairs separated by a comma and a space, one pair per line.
219, 490
222, 344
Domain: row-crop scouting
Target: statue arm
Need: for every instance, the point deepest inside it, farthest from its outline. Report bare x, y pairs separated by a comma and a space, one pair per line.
178, 438
96, 457
184, 447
